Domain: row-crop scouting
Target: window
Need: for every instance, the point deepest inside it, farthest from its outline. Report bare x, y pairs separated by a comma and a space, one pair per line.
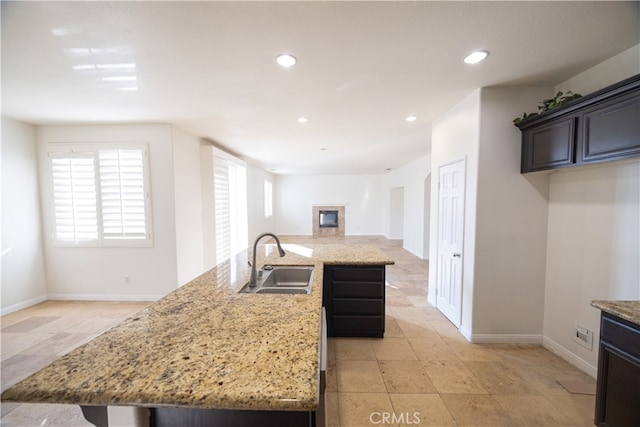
100, 195
230, 199
268, 199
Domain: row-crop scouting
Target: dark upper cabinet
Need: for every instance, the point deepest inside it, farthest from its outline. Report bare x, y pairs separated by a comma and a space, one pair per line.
551, 145
611, 129
599, 127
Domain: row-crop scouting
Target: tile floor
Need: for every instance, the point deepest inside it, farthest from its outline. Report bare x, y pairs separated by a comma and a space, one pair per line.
423, 373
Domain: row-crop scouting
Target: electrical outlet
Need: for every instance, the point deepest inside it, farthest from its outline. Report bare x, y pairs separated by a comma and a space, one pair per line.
127, 279
582, 336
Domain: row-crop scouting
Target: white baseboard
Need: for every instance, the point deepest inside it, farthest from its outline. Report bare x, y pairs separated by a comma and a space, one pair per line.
567, 355
506, 339
102, 297
465, 333
23, 304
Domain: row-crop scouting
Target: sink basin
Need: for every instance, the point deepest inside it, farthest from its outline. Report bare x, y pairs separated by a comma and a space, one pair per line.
288, 276
283, 291
282, 280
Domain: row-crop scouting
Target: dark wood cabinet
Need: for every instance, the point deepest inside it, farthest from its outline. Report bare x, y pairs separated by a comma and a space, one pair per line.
551, 145
602, 126
617, 397
611, 129
354, 298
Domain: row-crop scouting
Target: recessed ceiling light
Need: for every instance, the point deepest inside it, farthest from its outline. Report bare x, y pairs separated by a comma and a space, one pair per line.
302, 120
286, 60
477, 56
410, 118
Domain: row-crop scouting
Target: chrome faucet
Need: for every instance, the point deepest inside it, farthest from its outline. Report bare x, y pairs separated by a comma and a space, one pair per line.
252, 278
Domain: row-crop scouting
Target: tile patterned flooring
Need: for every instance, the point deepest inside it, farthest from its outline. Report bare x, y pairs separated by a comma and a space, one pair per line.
422, 373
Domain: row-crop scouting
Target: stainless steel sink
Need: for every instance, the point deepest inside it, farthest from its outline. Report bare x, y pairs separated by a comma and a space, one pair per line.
283, 291
282, 280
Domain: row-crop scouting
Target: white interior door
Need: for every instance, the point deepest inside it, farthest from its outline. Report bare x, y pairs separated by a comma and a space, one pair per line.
450, 239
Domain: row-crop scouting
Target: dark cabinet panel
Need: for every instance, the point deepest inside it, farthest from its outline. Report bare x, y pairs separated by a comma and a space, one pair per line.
358, 289
354, 299
358, 274
617, 398
612, 130
602, 126
549, 146
358, 306
358, 326
183, 417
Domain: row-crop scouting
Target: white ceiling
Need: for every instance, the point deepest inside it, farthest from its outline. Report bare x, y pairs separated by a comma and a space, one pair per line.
208, 68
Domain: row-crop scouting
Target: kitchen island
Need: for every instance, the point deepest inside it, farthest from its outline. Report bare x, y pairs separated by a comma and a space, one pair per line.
617, 402
205, 346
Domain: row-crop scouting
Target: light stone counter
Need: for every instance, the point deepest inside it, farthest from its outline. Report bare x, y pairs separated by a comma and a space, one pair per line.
627, 310
205, 345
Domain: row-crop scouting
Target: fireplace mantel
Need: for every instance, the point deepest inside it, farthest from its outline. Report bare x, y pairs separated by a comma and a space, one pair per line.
328, 231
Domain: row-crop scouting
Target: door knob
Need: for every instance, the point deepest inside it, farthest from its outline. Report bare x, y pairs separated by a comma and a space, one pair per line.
456, 255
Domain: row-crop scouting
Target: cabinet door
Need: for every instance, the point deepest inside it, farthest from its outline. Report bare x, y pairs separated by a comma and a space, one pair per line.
618, 403
549, 146
611, 130
617, 398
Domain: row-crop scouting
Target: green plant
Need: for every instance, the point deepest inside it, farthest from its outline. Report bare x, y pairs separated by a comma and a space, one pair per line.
549, 104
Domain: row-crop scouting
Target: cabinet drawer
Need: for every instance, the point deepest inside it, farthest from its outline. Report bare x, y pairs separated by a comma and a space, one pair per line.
361, 326
358, 274
616, 333
358, 306
358, 290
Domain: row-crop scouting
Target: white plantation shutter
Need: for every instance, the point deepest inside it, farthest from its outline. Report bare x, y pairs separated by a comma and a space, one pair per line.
74, 197
123, 194
222, 209
230, 200
100, 196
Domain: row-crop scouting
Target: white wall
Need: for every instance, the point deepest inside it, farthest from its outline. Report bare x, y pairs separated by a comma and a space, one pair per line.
294, 196
511, 226
613, 70
455, 136
188, 205
98, 273
411, 178
368, 202
593, 238
23, 272
396, 213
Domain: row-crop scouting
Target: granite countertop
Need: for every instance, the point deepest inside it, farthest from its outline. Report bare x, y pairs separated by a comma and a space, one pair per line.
205, 345
627, 310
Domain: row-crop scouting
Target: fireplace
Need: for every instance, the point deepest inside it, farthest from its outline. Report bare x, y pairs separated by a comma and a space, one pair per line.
328, 219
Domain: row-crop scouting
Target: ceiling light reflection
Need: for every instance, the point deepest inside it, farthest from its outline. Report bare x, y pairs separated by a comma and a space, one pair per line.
119, 79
